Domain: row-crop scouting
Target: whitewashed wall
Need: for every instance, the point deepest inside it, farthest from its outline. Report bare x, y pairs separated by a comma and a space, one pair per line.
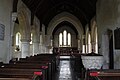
108, 17
5, 19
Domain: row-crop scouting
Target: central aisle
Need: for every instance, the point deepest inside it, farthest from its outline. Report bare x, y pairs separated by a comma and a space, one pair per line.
65, 71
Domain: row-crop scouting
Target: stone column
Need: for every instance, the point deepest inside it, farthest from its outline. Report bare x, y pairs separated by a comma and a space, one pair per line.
11, 48
41, 44
51, 44
25, 48
83, 44
35, 48
93, 44
78, 44
36, 41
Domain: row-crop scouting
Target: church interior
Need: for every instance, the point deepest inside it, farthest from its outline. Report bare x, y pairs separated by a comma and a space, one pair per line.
60, 40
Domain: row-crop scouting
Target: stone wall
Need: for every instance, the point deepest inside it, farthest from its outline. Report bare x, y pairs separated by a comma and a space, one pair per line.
107, 16
5, 19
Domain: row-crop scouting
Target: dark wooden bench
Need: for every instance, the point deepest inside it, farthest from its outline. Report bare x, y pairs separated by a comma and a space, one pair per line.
43, 67
22, 68
47, 58
104, 74
44, 58
14, 79
51, 65
20, 73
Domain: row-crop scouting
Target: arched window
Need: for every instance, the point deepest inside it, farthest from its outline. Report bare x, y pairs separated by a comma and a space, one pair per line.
60, 39
86, 48
83, 48
18, 42
64, 39
31, 38
18, 38
69, 39
96, 41
89, 44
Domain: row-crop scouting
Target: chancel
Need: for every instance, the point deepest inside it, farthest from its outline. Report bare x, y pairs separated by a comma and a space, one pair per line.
59, 39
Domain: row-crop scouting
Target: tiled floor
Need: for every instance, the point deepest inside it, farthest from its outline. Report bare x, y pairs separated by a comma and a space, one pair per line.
64, 72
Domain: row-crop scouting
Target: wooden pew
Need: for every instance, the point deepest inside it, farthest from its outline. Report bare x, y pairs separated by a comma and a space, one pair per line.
39, 62
48, 58
43, 67
19, 73
43, 57
51, 67
14, 79
40, 59
104, 74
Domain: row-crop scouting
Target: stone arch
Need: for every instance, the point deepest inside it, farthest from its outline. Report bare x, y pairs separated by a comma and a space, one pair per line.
36, 29
69, 29
65, 16
24, 21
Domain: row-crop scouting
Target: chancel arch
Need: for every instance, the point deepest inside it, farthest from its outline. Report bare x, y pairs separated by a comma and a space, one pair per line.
65, 16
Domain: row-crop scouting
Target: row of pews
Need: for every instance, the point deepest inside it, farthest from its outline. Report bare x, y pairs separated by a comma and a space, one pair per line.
103, 74
38, 67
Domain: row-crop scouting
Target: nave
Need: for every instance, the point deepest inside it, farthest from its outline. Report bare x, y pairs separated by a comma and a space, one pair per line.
53, 67
65, 71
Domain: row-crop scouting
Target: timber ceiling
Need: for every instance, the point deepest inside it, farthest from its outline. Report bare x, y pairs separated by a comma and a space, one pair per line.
45, 10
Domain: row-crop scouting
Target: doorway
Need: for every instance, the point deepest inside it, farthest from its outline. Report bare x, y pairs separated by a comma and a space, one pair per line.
111, 53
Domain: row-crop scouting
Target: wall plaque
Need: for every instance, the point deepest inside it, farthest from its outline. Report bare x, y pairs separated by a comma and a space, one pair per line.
2, 31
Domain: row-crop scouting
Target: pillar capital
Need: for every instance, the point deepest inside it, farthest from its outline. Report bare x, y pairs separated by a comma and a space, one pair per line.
14, 16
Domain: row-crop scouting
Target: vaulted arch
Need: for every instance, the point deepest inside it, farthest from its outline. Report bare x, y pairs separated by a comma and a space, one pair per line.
65, 16
23, 21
